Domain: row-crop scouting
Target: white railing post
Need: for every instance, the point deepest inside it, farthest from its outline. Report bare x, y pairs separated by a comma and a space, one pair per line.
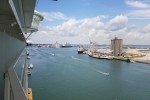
7, 87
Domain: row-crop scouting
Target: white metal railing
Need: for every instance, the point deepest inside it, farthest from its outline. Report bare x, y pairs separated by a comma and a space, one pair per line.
16, 89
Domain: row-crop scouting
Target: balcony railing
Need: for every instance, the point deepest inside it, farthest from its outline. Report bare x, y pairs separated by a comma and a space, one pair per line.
15, 88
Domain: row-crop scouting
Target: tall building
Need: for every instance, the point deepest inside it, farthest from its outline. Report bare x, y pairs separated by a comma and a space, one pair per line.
116, 47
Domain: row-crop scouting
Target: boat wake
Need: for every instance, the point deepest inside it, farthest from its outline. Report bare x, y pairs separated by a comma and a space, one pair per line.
81, 60
101, 72
76, 58
104, 73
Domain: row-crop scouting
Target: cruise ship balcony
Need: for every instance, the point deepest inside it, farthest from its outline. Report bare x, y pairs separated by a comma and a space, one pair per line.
16, 18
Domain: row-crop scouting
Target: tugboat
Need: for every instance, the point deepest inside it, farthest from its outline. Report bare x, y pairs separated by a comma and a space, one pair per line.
80, 50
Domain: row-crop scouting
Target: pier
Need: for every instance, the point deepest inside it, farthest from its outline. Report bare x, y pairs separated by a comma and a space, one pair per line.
132, 55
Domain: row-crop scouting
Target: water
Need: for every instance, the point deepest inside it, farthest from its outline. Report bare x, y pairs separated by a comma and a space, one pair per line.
62, 74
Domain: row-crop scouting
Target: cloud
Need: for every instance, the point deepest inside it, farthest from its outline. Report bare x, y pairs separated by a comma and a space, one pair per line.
137, 4
54, 16
146, 29
79, 31
141, 9
117, 23
72, 30
139, 14
136, 37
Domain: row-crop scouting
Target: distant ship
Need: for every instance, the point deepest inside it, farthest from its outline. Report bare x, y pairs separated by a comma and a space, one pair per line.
67, 45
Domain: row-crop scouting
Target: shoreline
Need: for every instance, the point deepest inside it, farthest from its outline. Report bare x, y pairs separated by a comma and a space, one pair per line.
138, 55
145, 59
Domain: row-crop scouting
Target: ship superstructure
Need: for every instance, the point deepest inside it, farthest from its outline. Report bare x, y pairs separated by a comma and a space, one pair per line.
16, 26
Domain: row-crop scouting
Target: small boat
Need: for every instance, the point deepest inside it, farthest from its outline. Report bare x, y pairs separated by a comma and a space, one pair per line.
30, 66
132, 61
107, 74
104, 57
80, 50
28, 57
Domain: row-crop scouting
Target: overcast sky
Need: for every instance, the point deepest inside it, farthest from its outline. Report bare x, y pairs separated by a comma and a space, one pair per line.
81, 21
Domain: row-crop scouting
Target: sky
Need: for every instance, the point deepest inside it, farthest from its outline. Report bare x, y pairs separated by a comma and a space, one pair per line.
82, 21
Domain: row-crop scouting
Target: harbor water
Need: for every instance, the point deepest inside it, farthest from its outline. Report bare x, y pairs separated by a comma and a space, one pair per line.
63, 74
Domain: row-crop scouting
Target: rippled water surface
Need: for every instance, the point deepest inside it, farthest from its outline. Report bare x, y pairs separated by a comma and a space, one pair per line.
63, 74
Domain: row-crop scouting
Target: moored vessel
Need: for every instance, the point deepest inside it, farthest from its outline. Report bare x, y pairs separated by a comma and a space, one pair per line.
67, 45
80, 50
